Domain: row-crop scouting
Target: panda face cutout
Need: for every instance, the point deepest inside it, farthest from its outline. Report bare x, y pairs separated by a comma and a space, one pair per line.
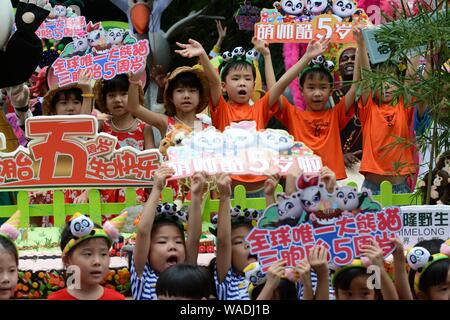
237, 138
344, 8
329, 65
292, 7
289, 207
80, 44
318, 60
81, 226
346, 198
238, 52
60, 11
278, 140
312, 197
253, 273
207, 141
227, 55
252, 55
418, 257
115, 36
315, 7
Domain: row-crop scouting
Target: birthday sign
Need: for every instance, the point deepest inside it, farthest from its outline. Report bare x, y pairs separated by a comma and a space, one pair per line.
343, 239
104, 52
240, 149
61, 27
67, 151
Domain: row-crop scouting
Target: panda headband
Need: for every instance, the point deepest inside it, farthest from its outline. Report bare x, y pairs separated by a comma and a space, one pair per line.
238, 54
82, 228
356, 264
238, 216
169, 212
420, 259
319, 62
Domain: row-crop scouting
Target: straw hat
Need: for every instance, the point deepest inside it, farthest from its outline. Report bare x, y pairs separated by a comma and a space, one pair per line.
100, 99
198, 71
47, 104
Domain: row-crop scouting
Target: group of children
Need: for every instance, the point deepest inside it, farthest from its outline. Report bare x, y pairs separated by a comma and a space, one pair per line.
164, 260
163, 263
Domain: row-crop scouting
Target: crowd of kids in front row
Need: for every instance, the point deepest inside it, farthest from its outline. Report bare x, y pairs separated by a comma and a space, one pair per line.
164, 261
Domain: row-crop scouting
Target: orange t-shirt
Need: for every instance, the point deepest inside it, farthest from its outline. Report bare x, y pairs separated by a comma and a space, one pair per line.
319, 130
380, 125
224, 114
108, 294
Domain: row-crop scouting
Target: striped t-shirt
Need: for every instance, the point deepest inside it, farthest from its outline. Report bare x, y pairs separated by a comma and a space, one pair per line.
233, 287
314, 287
144, 287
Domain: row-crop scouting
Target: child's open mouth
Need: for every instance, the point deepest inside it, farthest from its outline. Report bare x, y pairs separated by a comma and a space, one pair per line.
252, 257
242, 92
172, 260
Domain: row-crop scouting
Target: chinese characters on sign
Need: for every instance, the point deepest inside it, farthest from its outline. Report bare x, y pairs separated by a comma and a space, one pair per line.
67, 151
61, 28
343, 239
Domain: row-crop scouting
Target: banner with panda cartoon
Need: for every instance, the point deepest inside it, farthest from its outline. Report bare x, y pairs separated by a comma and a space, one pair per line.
106, 52
301, 21
61, 23
239, 149
341, 221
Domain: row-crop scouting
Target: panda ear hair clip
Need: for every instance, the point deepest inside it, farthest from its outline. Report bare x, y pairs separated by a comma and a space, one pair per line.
321, 62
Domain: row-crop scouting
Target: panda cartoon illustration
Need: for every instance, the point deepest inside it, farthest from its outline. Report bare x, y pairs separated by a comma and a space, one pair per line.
209, 141
166, 208
238, 52
318, 60
80, 44
290, 209
344, 9
346, 198
317, 7
81, 226
418, 257
276, 139
252, 54
294, 8
227, 56
116, 36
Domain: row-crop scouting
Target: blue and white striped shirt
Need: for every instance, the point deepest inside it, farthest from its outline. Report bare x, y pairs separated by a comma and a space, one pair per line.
233, 287
144, 287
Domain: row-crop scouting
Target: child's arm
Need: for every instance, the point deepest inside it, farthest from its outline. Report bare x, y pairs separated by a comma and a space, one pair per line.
152, 118
291, 179
144, 229
269, 188
222, 32
223, 260
149, 141
362, 62
318, 261
84, 83
329, 178
263, 48
274, 274
375, 255
400, 275
304, 270
411, 76
198, 182
195, 49
315, 48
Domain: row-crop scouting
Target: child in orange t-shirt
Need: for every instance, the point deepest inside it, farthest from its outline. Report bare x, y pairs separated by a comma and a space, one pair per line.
319, 128
237, 80
387, 138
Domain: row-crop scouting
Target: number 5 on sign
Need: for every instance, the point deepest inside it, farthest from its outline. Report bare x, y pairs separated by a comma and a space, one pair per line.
324, 24
327, 26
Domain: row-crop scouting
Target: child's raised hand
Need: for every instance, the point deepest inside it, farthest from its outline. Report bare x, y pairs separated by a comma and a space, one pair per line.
190, 50
82, 198
328, 177
316, 47
159, 76
373, 252
261, 46
304, 270
357, 34
318, 259
274, 274
270, 184
198, 183
399, 253
161, 175
223, 181
84, 80
221, 30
